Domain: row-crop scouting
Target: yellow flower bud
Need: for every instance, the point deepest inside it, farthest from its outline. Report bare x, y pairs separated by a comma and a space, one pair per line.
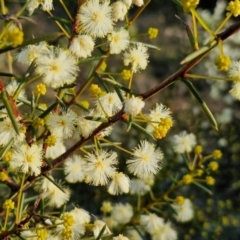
38, 123
152, 33
213, 166
198, 149
223, 62
187, 179
8, 204
126, 74
199, 172
7, 156
3, 176
85, 104
216, 154
180, 200
210, 180
41, 89
51, 141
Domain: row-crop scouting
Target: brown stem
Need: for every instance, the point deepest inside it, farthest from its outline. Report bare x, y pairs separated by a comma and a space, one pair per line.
137, 14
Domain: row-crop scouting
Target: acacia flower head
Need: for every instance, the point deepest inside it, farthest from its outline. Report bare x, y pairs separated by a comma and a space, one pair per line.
118, 40
145, 161
8, 133
166, 231
160, 121
151, 222
95, 18
85, 126
26, 159
234, 8
223, 62
122, 213
235, 91
106, 207
133, 105
32, 5
74, 221
108, 104
128, 3
31, 52
47, 5
56, 150
55, 196
183, 142
100, 167
80, 215
213, 166
234, 71
14, 36
57, 66
63, 125
119, 11
138, 3
210, 180
119, 184
98, 226
8, 204
137, 57
82, 46
184, 212
189, 4
73, 168
126, 74
139, 187
152, 33
51, 140
12, 87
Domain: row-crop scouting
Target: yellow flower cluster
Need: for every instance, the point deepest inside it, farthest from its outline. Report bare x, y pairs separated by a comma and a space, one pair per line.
189, 4
223, 62
152, 33
42, 234
210, 180
234, 8
67, 233
41, 89
198, 149
161, 130
15, 36
216, 154
199, 172
187, 179
126, 74
51, 141
103, 66
106, 207
43, 105
7, 156
96, 91
213, 166
180, 200
85, 104
38, 123
8, 204
3, 176
68, 221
